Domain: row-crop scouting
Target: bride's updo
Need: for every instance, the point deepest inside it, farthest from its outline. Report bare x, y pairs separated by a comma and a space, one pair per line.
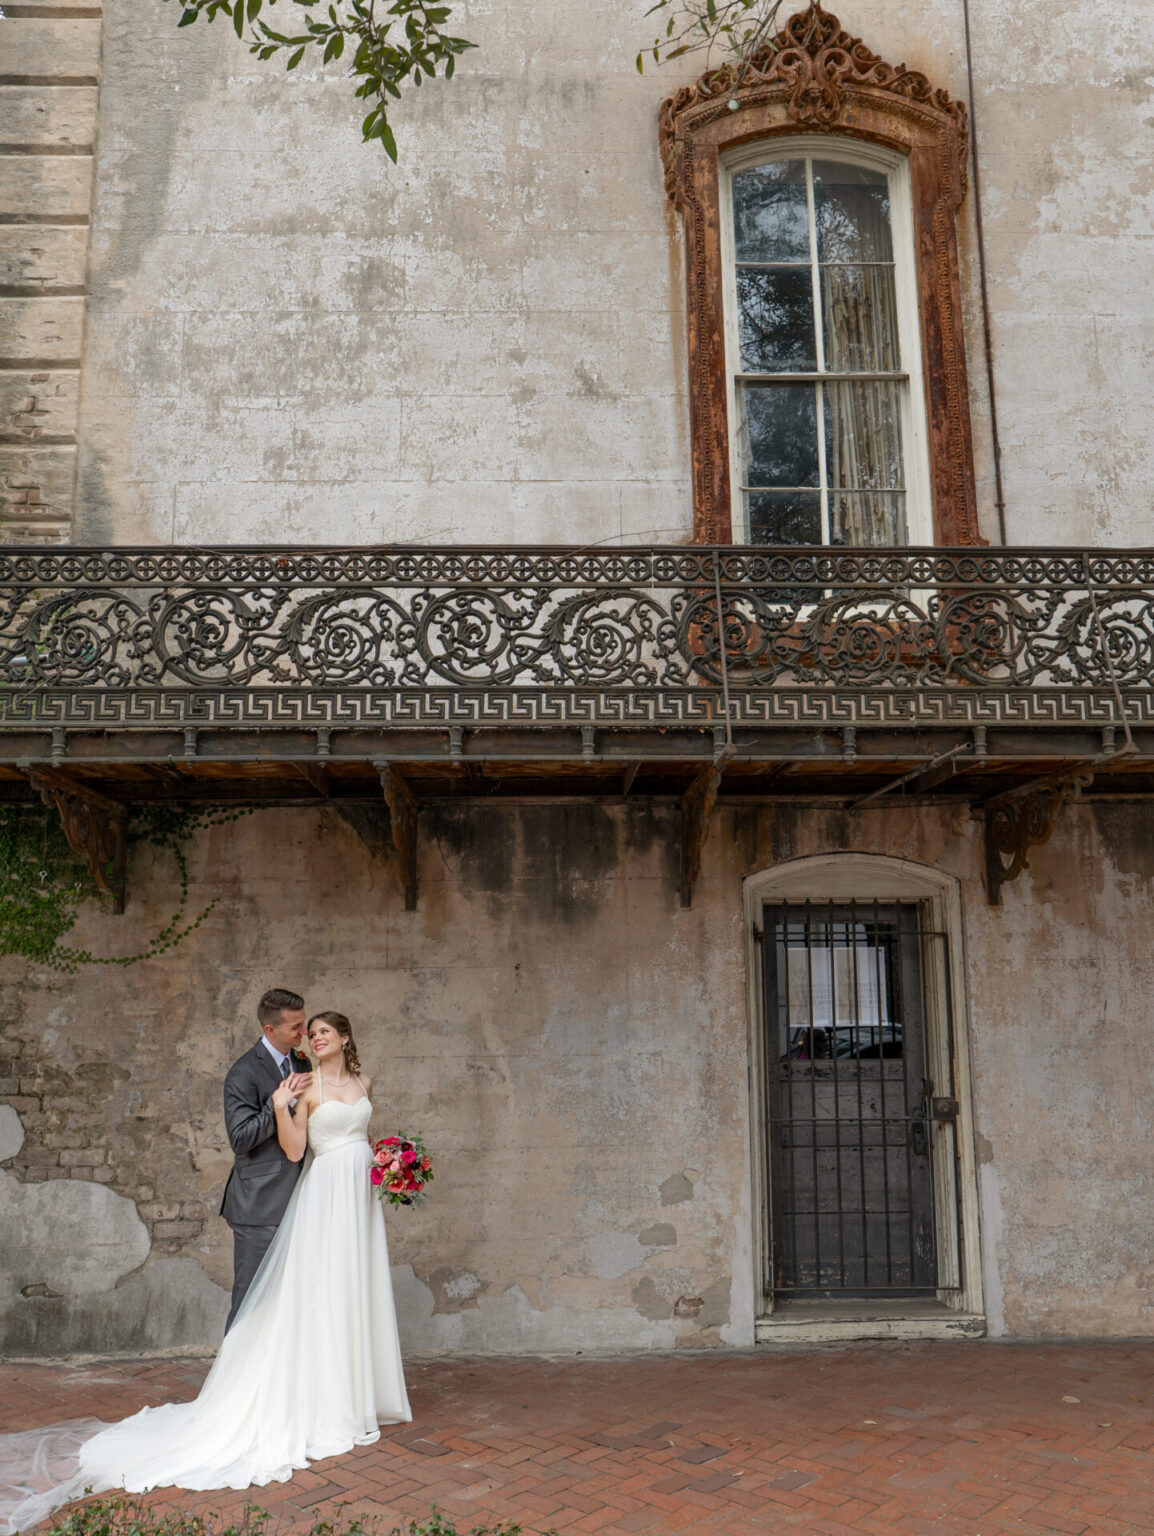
345, 1030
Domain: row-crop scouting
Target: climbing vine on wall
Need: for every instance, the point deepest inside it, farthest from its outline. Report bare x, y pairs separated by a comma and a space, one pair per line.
43, 883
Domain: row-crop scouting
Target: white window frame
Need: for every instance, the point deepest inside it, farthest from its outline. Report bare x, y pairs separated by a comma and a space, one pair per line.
915, 433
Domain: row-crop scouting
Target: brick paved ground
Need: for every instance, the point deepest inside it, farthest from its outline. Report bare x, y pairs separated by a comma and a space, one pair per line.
885, 1439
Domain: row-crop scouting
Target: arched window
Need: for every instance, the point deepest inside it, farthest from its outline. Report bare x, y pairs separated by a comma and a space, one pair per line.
827, 378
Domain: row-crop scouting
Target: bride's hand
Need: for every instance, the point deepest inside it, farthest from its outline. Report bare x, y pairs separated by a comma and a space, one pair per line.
284, 1093
299, 1082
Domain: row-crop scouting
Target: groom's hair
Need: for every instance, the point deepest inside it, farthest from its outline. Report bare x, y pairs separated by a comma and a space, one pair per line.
274, 1003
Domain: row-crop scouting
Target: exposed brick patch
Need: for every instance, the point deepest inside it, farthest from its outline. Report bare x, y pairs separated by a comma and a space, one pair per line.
69, 1134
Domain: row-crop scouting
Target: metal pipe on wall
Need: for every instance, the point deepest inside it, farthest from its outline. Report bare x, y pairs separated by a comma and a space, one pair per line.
999, 497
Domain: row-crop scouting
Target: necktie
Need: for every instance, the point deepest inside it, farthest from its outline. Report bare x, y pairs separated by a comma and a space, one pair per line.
285, 1068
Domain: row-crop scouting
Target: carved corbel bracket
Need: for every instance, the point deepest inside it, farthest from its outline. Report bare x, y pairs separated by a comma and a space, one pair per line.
404, 812
96, 827
697, 805
1023, 819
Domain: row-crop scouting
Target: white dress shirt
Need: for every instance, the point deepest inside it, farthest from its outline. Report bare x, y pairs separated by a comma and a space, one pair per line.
280, 1057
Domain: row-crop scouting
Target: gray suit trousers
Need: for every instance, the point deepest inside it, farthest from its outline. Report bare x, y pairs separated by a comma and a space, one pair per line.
249, 1246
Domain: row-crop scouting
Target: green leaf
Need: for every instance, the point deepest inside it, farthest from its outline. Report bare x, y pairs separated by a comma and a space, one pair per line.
238, 17
187, 18
296, 58
390, 143
253, 9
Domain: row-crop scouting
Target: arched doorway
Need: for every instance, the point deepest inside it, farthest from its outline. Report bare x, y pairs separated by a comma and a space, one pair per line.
865, 1202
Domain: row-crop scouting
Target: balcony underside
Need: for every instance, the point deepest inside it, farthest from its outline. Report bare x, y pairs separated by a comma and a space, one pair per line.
277, 765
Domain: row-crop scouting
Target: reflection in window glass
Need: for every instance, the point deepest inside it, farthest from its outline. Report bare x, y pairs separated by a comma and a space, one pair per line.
771, 213
815, 297
777, 430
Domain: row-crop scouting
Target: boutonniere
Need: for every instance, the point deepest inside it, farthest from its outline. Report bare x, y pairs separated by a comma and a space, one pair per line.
299, 1061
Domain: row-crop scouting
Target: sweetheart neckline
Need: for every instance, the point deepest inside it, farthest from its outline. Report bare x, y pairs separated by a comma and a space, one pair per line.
339, 1104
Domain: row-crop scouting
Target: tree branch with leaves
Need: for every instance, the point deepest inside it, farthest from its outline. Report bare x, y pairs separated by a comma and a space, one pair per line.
393, 45
390, 44
738, 28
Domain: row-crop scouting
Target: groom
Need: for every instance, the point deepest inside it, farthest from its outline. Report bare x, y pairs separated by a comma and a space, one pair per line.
262, 1177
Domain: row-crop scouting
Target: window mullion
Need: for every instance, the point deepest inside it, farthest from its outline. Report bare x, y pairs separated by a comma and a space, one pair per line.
819, 333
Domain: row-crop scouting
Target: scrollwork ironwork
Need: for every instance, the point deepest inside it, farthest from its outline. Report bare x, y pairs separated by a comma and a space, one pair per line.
552, 636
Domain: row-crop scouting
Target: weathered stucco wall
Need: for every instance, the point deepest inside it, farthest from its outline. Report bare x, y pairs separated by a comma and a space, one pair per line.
1067, 141
574, 1046
588, 1120
289, 339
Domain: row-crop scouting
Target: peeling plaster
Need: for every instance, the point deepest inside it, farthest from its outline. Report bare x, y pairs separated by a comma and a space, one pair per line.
509, 1323
74, 1238
675, 1189
11, 1132
167, 1307
615, 1253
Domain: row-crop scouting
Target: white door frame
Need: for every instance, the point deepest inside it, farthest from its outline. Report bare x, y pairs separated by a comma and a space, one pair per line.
868, 877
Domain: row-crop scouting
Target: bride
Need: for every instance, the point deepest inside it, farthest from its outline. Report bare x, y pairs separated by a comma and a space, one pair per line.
323, 1288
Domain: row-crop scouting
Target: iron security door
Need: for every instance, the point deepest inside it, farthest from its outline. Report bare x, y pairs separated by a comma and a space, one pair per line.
854, 1118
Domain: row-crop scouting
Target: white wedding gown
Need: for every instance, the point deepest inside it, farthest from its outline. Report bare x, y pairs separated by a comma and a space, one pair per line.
309, 1368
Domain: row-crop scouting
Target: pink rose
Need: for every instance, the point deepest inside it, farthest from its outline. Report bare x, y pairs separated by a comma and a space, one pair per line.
376, 1176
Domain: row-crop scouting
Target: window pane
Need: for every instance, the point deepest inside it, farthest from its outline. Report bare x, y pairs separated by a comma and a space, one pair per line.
775, 313
783, 517
860, 316
863, 436
852, 205
777, 434
867, 517
770, 215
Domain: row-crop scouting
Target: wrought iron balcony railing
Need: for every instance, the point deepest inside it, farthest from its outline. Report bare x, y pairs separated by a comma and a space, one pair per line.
549, 637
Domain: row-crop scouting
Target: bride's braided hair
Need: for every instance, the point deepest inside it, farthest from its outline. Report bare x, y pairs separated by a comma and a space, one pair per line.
345, 1030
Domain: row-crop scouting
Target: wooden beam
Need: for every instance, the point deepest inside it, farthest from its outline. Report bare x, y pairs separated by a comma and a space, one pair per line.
696, 810
367, 821
95, 826
404, 812
317, 775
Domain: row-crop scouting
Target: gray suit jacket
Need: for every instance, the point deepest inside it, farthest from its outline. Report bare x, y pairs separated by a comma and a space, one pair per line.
262, 1177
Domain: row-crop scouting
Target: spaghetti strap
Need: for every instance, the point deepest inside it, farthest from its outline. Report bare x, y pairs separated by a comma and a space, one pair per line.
321, 1082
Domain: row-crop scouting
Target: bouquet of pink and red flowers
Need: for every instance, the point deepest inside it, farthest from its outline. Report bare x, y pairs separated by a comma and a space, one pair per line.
401, 1169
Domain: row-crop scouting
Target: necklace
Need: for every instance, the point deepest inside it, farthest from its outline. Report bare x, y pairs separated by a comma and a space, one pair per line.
330, 1082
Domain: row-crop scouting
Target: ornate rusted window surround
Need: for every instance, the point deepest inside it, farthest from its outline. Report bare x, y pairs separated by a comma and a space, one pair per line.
817, 79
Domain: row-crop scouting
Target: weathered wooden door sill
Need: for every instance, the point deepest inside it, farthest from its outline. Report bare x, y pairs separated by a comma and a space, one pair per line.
828, 1322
